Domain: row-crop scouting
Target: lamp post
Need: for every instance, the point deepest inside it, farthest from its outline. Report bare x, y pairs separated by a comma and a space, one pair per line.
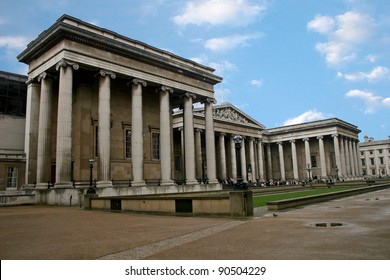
91, 189
309, 170
237, 141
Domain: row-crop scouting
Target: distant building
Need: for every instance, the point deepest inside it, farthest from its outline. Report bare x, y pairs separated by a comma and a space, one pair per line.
13, 91
375, 157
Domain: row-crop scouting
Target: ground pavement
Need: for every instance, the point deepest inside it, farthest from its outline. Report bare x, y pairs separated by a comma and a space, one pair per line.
350, 228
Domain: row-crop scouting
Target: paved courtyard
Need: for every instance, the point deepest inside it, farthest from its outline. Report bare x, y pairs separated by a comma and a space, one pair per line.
351, 228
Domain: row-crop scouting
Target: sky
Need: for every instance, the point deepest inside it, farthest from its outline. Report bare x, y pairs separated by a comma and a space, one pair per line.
282, 62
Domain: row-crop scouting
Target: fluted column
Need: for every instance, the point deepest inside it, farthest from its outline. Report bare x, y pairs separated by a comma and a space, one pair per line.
356, 158
342, 168
210, 141
252, 157
222, 155
44, 131
189, 144
104, 134
294, 159
322, 157
351, 159
198, 152
165, 137
260, 160
137, 131
269, 162
64, 124
307, 157
347, 158
281, 161
337, 153
233, 157
243, 160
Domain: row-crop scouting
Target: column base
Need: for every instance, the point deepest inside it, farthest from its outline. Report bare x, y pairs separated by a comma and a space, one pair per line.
104, 184
167, 183
191, 182
63, 185
138, 183
42, 186
213, 181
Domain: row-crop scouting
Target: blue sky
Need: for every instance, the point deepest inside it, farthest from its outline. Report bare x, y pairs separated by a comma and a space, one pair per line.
282, 61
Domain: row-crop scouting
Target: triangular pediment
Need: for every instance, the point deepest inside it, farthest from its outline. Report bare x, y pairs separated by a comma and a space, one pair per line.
229, 113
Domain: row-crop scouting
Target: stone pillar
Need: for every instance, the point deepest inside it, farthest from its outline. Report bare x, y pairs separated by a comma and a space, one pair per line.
368, 163
356, 158
137, 131
189, 144
64, 125
243, 160
307, 157
44, 132
269, 162
342, 159
210, 141
351, 159
281, 161
252, 158
222, 156
347, 158
322, 157
233, 157
198, 152
294, 159
165, 137
104, 128
260, 160
337, 153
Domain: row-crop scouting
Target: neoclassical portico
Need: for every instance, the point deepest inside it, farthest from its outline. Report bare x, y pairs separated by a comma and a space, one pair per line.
109, 98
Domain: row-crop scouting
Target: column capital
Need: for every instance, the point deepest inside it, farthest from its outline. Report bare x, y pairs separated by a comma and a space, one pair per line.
189, 94
210, 100
44, 75
305, 139
320, 137
221, 133
291, 141
279, 143
104, 73
164, 88
196, 129
136, 81
259, 140
335, 135
65, 63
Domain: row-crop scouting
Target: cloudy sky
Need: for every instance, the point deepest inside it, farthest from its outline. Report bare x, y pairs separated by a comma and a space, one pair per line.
282, 61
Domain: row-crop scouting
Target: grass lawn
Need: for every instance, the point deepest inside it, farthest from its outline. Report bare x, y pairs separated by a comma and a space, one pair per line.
259, 201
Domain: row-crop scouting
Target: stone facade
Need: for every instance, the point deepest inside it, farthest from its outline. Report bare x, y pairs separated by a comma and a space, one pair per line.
375, 157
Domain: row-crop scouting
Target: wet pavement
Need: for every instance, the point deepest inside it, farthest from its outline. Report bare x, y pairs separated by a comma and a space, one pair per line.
356, 227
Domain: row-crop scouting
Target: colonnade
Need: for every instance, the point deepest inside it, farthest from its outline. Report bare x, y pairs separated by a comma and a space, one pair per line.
42, 147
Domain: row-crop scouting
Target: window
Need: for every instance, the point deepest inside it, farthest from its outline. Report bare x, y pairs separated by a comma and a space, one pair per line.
381, 160
372, 161
380, 151
155, 145
128, 143
313, 161
178, 162
12, 177
363, 162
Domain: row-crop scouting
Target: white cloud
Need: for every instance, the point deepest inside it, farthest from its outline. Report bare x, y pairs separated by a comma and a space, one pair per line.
344, 34
256, 83
372, 101
230, 42
13, 42
309, 116
379, 72
219, 12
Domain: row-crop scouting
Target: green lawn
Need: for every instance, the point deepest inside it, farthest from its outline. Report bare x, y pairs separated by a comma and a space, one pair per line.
260, 201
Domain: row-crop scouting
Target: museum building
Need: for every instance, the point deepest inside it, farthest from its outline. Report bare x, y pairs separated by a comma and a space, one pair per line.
135, 116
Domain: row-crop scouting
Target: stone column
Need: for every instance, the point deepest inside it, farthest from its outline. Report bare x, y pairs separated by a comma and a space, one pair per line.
337, 153
198, 152
31, 131
368, 163
260, 160
104, 128
342, 159
137, 131
347, 158
269, 162
233, 157
252, 158
165, 137
307, 156
351, 159
243, 160
222, 156
210, 141
356, 158
44, 132
294, 159
322, 157
281, 161
189, 144
64, 125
